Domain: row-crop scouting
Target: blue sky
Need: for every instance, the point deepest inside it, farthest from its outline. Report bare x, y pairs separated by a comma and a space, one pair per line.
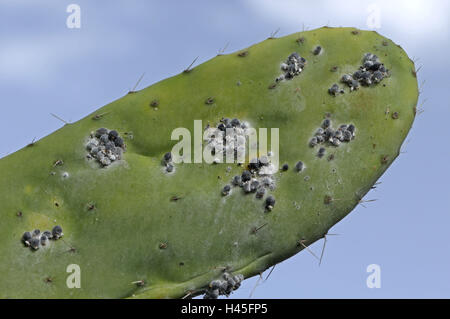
47, 68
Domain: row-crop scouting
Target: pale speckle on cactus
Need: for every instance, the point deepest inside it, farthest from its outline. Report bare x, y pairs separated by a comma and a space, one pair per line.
153, 229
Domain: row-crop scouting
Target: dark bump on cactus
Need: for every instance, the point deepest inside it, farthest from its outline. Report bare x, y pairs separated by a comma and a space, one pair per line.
35, 243
260, 192
26, 237
270, 202
243, 54
48, 234
300, 40
57, 232
44, 240
209, 101
299, 166
334, 90
317, 50
154, 103
237, 180
226, 190
321, 152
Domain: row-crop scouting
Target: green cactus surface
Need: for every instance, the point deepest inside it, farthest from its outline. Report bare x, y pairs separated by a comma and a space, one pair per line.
138, 231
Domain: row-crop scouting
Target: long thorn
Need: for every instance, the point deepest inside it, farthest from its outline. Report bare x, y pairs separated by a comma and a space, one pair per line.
221, 51
324, 244
367, 200
270, 272
423, 102
375, 185
323, 248
273, 33
137, 83
71, 248
422, 84
99, 116
256, 229
57, 117
187, 295
307, 248
32, 142
256, 285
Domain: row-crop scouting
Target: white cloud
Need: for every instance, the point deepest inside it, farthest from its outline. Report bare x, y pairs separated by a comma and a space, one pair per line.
423, 20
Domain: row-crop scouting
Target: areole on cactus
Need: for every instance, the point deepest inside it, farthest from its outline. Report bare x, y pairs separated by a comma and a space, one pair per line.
140, 225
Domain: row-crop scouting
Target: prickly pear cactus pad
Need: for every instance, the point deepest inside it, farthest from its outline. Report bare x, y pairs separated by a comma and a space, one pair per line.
105, 194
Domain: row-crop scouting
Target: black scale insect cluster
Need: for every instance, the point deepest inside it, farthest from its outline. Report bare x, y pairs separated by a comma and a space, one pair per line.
224, 286
372, 71
35, 239
167, 162
227, 139
293, 66
327, 135
256, 179
106, 146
